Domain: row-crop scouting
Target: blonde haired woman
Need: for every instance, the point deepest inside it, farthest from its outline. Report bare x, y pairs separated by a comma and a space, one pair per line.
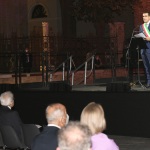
93, 116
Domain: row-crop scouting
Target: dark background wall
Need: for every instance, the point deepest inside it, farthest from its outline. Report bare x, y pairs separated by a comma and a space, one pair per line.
126, 113
13, 17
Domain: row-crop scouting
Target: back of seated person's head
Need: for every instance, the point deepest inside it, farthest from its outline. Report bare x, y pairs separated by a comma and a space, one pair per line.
74, 136
56, 114
93, 116
7, 99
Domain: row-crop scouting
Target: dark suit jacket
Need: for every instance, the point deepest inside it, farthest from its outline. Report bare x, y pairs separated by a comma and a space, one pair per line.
10, 117
26, 58
46, 140
147, 42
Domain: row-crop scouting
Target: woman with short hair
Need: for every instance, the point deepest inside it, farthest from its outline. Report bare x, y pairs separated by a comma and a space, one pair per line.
93, 116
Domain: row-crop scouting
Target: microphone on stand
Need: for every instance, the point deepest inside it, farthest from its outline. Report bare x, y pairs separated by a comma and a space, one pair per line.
127, 53
135, 30
136, 27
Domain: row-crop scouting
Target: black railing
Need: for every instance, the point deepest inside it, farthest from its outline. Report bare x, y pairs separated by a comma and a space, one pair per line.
50, 51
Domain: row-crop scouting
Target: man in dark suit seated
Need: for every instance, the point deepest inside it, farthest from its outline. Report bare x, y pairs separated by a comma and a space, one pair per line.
9, 116
57, 117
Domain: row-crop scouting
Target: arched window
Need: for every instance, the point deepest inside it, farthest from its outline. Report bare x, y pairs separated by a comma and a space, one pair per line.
39, 12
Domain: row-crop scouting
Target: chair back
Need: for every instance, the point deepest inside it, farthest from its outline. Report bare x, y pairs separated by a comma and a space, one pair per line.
10, 138
29, 132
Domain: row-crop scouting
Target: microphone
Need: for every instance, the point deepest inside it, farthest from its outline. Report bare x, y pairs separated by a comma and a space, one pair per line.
135, 30
137, 27
132, 37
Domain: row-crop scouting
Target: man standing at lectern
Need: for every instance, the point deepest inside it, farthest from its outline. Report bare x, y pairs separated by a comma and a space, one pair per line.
145, 53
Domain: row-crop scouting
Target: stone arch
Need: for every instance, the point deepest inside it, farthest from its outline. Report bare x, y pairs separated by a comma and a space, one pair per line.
36, 6
53, 18
38, 13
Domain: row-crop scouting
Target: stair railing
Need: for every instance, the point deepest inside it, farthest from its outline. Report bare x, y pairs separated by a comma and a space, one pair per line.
85, 64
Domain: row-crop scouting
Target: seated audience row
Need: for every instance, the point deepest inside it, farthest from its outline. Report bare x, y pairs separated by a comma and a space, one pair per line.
58, 134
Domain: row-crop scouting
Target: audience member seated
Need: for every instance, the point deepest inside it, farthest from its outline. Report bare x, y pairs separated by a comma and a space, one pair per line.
57, 117
93, 116
9, 116
74, 136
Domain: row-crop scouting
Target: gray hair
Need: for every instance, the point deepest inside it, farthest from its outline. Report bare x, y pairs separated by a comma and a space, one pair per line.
74, 136
54, 115
6, 98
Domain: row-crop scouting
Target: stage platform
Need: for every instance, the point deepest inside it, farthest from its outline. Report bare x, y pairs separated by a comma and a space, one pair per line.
104, 78
103, 87
115, 87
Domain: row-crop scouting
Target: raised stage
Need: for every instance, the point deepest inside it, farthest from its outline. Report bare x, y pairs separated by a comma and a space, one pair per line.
97, 81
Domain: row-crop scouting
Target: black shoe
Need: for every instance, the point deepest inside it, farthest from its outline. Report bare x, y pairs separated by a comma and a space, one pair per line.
148, 86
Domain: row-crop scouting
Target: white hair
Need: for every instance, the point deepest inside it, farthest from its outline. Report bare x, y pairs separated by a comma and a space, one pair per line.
74, 136
54, 115
6, 98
